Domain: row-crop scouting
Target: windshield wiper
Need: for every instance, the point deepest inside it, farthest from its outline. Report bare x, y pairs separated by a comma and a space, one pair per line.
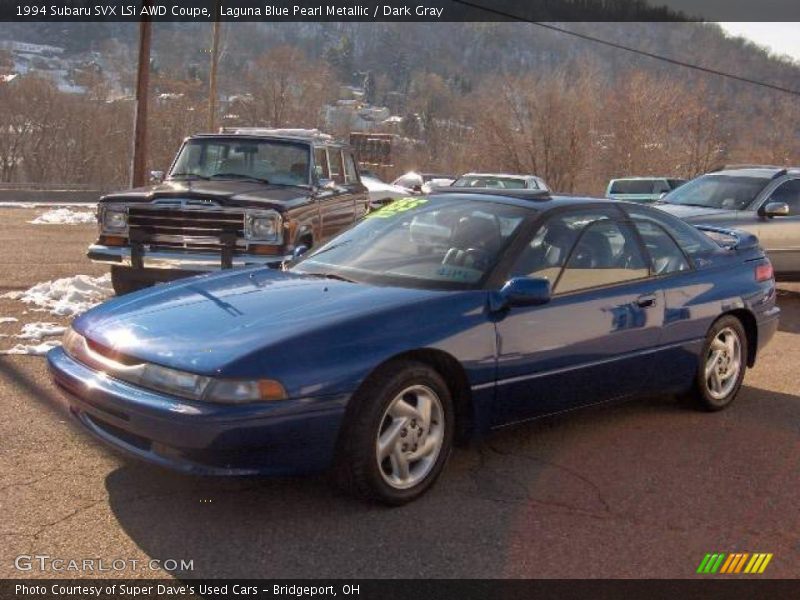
696, 204
240, 176
188, 175
331, 276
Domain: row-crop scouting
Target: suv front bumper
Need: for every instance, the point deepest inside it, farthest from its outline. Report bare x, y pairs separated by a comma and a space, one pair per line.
176, 259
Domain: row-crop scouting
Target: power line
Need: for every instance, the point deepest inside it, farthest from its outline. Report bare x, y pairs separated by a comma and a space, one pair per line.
638, 51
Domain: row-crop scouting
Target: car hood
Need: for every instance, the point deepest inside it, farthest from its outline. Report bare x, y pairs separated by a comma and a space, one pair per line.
694, 213
204, 323
230, 192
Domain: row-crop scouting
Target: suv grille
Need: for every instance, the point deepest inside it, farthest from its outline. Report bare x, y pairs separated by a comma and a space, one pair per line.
171, 226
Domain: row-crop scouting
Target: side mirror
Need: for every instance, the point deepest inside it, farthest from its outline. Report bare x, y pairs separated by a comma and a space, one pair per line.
776, 209
299, 251
523, 291
661, 195
156, 176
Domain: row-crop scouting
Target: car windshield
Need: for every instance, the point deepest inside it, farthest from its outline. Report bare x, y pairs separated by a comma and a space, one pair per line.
728, 192
446, 242
273, 161
488, 181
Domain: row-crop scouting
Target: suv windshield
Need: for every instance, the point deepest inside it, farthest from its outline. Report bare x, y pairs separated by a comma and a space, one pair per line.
274, 161
487, 181
718, 191
432, 243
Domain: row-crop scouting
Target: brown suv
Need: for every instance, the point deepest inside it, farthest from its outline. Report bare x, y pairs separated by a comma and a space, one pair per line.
242, 197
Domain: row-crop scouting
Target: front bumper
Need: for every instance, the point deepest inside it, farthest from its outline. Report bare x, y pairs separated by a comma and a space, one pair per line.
176, 259
278, 438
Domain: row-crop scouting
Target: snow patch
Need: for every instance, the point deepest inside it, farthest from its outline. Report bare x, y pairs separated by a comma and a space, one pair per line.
32, 349
8, 320
36, 331
66, 297
64, 216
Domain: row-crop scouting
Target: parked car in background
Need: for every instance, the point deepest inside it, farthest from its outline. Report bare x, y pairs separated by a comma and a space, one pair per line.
433, 318
760, 199
641, 189
417, 182
381, 193
500, 181
246, 196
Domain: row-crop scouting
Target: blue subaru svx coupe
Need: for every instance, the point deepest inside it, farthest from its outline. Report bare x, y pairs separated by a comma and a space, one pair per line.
432, 319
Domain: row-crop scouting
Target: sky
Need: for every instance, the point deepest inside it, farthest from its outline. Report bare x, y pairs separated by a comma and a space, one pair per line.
781, 38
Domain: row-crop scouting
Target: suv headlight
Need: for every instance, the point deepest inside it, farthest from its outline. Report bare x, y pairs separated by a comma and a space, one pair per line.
114, 219
263, 226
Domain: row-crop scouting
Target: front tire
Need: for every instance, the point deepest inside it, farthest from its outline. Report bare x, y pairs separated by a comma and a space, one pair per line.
398, 435
123, 281
723, 363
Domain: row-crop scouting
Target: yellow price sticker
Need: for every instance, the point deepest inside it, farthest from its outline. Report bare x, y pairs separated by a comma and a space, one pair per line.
400, 205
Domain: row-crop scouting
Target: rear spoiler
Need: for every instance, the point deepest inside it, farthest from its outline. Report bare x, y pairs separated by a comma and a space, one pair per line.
730, 239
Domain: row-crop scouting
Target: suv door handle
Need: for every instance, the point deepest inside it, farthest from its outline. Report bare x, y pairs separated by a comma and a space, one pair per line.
646, 300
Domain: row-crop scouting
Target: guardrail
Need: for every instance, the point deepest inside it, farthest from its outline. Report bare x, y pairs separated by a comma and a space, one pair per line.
50, 193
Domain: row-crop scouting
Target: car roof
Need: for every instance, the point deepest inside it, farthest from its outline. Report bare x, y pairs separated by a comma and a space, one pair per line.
756, 171
289, 135
647, 178
536, 199
510, 175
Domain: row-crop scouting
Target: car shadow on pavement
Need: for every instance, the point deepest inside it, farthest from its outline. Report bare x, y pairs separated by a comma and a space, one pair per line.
577, 470
789, 302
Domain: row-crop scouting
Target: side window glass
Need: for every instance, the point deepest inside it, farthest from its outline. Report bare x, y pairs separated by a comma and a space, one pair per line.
321, 163
660, 186
337, 169
789, 193
665, 255
691, 240
550, 246
606, 253
351, 175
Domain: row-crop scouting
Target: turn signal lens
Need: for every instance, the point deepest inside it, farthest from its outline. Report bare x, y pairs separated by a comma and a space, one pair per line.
233, 391
764, 272
113, 240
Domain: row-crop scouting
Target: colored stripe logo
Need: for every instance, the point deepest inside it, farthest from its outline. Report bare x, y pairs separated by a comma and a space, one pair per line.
731, 564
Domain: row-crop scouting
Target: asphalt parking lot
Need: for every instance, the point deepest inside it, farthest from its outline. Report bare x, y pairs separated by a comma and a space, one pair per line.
643, 489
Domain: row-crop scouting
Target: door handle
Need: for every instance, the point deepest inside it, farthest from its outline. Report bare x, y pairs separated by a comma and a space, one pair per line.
646, 300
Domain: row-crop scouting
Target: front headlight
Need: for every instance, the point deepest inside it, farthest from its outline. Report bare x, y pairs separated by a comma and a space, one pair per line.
114, 218
263, 226
172, 381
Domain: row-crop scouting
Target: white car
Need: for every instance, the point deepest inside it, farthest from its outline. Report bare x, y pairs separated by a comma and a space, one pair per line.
501, 181
381, 193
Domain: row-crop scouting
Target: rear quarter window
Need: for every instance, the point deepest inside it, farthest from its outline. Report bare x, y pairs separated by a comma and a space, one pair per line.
691, 240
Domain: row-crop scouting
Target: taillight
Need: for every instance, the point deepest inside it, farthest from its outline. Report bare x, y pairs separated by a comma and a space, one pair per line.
764, 271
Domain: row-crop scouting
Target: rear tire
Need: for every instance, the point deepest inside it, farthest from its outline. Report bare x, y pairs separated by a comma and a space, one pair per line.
722, 365
397, 435
123, 282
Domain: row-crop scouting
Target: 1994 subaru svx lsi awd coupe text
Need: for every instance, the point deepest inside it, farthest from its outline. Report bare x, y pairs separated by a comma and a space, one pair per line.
431, 319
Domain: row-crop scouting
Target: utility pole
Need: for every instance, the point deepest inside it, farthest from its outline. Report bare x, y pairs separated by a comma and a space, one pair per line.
139, 162
212, 77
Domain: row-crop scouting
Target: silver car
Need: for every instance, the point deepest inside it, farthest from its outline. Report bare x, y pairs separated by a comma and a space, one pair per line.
642, 189
501, 181
762, 200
